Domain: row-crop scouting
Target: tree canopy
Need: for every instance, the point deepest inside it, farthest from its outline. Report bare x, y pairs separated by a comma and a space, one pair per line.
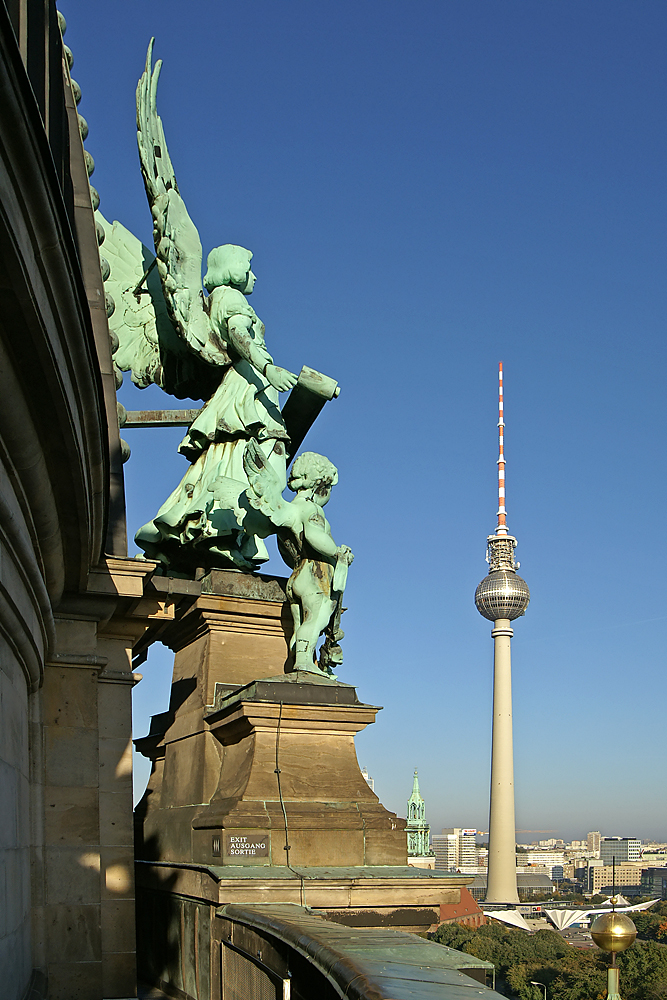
568, 973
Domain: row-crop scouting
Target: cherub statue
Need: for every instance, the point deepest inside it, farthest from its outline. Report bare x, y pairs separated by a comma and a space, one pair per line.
194, 345
319, 566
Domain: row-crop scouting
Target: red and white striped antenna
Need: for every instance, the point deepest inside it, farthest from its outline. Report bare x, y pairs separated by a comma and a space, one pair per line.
502, 513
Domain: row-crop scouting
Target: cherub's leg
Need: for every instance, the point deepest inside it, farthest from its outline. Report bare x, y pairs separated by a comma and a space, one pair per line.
295, 608
316, 612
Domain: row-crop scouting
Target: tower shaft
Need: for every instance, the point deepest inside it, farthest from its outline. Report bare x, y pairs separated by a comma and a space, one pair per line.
501, 878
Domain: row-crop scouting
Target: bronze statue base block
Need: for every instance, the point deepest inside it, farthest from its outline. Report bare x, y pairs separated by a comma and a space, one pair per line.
246, 765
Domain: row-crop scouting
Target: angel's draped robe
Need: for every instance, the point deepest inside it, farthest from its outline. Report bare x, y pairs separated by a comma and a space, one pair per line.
192, 529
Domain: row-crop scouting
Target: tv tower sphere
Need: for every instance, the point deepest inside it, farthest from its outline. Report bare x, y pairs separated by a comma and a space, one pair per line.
502, 594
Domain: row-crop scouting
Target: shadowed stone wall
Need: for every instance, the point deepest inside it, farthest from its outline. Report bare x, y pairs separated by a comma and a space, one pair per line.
71, 603
15, 956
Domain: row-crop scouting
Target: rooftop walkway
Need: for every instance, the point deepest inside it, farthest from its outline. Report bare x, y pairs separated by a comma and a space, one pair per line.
360, 963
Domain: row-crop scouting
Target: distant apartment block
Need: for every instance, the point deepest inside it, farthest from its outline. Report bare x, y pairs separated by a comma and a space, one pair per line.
445, 848
621, 849
600, 876
540, 857
593, 841
654, 882
455, 848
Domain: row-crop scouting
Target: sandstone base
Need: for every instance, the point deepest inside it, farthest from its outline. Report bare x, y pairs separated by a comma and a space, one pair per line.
251, 760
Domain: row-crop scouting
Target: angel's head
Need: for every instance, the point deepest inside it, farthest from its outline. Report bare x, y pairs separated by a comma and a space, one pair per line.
313, 472
229, 265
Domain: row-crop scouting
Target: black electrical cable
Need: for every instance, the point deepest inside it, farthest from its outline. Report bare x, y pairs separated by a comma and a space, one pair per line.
287, 848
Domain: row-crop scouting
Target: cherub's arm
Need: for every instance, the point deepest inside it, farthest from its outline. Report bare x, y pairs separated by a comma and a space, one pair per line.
319, 537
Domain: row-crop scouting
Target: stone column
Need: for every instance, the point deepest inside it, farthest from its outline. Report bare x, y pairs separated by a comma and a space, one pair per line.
86, 889
114, 694
68, 877
81, 760
501, 879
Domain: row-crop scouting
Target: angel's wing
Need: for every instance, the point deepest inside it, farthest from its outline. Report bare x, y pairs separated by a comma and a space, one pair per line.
177, 243
265, 488
229, 493
148, 344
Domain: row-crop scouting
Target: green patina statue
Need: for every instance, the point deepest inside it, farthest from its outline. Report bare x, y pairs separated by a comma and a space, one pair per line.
319, 566
209, 347
208, 343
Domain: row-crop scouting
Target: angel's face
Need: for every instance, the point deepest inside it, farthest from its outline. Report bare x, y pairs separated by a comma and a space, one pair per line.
250, 283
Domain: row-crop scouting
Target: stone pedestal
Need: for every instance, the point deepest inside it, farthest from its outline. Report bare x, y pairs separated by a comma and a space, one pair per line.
236, 718
83, 906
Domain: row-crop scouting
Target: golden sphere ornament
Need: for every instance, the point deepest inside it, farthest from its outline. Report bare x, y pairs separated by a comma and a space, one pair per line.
613, 931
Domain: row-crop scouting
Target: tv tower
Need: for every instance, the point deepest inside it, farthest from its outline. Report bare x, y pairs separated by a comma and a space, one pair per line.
501, 597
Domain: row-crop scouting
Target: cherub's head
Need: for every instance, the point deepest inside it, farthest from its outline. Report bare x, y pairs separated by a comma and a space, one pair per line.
229, 265
313, 472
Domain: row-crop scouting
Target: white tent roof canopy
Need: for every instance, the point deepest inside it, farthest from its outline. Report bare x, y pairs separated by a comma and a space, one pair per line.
565, 918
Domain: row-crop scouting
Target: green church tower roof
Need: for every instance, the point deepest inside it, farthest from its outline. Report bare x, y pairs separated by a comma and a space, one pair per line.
417, 829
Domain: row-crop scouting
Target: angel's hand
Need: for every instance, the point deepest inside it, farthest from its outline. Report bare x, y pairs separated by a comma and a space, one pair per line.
344, 554
280, 378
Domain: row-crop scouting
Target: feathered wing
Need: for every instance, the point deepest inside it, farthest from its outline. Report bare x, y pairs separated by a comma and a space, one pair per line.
177, 244
265, 488
148, 344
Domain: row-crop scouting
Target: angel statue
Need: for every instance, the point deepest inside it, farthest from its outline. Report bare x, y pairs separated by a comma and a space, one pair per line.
319, 566
208, 347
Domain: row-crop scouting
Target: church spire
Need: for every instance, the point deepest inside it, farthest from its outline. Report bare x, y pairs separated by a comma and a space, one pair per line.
417, 829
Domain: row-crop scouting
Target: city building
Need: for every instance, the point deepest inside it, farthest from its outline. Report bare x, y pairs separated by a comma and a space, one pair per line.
620, 849
468, 850
593, 841
446, 850
456, 849
654, 882
613, 876
540, 857
501, 597
652, 856
367, 778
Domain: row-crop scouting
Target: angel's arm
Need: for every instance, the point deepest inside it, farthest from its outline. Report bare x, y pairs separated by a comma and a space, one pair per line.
236, 323
240, 336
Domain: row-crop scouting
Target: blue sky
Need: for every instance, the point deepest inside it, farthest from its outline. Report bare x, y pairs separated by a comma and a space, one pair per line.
428, 189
